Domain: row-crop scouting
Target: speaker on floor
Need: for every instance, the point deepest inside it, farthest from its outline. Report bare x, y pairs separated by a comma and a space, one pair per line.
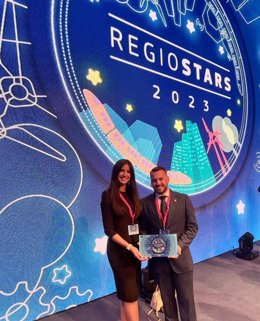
245, 250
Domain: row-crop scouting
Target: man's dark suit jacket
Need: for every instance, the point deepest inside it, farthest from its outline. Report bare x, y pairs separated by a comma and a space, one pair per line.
181, 220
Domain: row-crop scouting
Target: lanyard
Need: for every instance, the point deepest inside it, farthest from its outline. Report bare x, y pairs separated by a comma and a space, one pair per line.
131, 213
165, 217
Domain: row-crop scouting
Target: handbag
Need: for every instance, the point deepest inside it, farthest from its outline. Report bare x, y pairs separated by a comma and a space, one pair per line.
156, 303
148, 285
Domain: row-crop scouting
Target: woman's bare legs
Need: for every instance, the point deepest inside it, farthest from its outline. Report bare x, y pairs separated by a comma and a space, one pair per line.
129, 311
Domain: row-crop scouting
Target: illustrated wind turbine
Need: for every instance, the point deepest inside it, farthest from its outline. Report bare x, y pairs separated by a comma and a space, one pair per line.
218, 147
17, 90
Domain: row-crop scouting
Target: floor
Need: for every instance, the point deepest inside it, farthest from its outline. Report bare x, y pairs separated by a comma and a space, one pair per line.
227, 288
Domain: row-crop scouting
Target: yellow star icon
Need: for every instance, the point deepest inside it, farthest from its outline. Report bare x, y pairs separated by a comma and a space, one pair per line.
94, 76
178, 125
229, 112
129, 108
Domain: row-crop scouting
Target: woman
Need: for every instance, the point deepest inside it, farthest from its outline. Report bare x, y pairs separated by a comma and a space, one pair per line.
120, 211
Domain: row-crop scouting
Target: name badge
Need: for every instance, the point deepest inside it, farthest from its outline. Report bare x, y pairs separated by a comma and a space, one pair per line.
133, 229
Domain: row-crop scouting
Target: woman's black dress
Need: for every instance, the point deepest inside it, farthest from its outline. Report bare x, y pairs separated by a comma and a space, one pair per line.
126, 268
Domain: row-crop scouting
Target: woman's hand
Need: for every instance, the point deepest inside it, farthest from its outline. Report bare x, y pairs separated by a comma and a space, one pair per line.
134, 250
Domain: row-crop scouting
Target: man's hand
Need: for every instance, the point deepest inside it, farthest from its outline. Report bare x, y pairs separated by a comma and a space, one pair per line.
176, 256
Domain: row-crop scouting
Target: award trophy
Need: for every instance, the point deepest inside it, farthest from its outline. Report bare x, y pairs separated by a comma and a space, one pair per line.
158, 245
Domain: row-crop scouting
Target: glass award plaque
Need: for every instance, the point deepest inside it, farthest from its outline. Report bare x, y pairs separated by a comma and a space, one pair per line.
158, 245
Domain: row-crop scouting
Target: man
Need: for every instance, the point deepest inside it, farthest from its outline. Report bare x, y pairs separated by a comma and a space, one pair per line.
174, 275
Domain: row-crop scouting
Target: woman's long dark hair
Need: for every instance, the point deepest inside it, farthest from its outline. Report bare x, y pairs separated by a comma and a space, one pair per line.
131, 189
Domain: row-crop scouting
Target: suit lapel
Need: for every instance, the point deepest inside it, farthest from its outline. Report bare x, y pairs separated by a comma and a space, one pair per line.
173, 205
154, 212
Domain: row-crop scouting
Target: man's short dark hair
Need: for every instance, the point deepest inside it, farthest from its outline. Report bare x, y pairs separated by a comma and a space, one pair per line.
157, 169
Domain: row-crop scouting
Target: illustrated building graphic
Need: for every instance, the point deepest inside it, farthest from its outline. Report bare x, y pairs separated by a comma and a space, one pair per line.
190, 157
141, 136
140, 142
147, 139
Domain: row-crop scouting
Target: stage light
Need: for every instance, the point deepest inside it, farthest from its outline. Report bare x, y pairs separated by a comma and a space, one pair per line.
245, 247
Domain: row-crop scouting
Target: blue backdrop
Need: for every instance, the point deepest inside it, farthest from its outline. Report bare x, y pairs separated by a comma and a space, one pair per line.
84, 83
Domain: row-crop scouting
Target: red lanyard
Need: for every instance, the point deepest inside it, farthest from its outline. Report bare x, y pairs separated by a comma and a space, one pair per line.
131, 213
165, 217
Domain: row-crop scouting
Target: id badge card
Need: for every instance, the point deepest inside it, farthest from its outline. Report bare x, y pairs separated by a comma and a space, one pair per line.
164, 231
133, 229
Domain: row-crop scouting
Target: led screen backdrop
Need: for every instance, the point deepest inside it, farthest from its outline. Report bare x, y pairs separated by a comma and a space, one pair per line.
84, 83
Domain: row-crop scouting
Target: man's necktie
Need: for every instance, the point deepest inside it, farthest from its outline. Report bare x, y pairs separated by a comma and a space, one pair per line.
163, 205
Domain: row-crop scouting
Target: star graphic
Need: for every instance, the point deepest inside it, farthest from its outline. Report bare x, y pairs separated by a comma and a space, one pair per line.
129, 108
61, 274
190, 26
101, 245
178, 125
238, 101
221, 50
94, 76
153, 15
229, 112
240, 207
